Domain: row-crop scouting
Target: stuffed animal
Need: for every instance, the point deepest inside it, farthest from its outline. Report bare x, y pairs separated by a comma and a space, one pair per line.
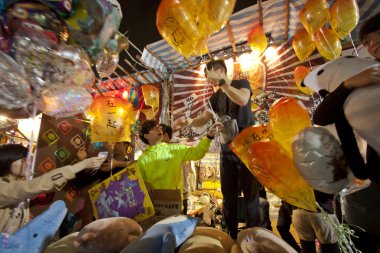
107, 235
261, 240
34, 236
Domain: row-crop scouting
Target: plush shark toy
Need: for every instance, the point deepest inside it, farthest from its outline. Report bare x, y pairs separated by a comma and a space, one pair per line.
34, 237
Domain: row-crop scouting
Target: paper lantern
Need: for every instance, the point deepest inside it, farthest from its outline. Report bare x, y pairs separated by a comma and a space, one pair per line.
328, 44
314, 15
344, 17
257, 40
243, 141
320, 160
300, 72
110, 120
287, 117
275, 170
303, 44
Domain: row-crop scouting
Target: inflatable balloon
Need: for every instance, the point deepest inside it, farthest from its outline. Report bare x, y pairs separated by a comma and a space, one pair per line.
196, 8
333, 73
176, 25
314, 15
217, 13
328, 44
151, 95
300, 72
275, 170
38, 17
257, 40
51, 64
243, 141
320, 160
344, 17
5, 38
362, 112
64, 8
110, 117
287, 117
15, 92
93, 24
107, 63
62, 102
303, 44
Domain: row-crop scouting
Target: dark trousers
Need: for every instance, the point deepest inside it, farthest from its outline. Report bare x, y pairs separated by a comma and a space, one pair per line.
283, 225
235, 178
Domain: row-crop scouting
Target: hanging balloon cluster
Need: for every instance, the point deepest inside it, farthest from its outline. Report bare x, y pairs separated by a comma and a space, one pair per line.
267, 152
187, 24
47, 49
343, 18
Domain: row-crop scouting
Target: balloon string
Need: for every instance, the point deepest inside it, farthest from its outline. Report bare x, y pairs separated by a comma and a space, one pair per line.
112, 153
344, 233
353, 44
311, 66
335, 56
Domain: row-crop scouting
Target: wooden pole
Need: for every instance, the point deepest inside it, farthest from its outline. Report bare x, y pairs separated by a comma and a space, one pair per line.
287, 19
128, 74
260, 7
138, 72
151, 70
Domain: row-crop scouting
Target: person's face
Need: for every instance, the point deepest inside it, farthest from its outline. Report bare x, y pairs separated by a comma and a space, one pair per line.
372, 43
166, 138
18, 168
155, 135
214, 75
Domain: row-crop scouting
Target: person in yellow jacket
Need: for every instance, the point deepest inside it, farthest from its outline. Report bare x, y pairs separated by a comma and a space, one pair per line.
161, 163
14, 189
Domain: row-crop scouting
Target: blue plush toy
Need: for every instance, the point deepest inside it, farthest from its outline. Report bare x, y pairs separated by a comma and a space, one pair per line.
164, 236
34, 236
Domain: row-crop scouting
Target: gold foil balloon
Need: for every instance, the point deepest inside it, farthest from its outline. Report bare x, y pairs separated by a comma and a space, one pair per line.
287, 117
314, 15
300, 72
303, 44
275, 170
344, 17
328, 44
177, 26
195, 8
241, 144
257, 40
217, 13
151, 95
110, 120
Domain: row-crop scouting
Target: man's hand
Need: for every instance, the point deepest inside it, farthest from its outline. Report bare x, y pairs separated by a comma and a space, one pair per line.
90, 163
214, 129
364, 78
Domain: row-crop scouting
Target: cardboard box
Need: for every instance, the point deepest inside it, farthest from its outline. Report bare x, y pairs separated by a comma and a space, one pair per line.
166, 203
